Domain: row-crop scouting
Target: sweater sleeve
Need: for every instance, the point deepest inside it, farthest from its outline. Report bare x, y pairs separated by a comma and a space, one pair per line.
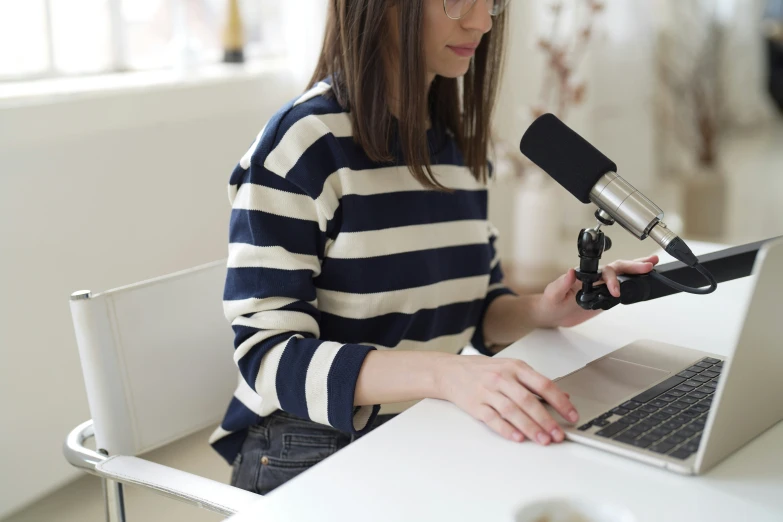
277, 237
495, 289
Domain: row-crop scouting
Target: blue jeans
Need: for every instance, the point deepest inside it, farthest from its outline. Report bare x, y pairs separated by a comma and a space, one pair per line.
282, 446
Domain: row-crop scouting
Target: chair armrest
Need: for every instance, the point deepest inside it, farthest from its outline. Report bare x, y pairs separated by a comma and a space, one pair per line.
180, 485
167, 481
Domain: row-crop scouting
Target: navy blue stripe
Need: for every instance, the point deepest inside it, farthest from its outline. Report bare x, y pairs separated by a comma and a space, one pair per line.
228, 446
292, 375
341, 387
258, 228
238, 416
399, 209
405, 270
390, 329
246, 283
250, 362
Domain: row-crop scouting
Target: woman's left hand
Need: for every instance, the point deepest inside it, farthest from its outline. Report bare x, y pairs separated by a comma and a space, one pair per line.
557, 305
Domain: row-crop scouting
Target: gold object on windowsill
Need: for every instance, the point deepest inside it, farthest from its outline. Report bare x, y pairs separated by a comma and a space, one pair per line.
233, 37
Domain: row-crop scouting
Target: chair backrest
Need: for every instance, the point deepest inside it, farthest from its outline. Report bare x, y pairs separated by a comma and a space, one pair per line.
156, 358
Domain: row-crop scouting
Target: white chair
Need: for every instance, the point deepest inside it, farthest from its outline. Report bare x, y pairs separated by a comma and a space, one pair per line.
157, 364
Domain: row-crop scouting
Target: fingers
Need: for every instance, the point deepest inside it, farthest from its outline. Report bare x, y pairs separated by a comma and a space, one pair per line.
519, 418
502, 427
536, 418
547, 390
560, 287
609, 275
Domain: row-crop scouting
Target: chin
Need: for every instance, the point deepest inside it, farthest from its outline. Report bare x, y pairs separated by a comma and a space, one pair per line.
454, 71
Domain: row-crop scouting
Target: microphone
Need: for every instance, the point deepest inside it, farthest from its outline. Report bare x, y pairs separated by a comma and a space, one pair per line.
590, 176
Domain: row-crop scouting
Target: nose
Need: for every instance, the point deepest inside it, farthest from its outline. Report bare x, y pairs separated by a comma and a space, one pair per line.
478, 18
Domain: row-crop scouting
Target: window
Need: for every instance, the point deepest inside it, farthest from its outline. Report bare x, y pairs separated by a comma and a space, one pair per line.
44, 38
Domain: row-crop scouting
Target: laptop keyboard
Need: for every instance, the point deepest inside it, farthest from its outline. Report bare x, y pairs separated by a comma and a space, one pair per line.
668, 418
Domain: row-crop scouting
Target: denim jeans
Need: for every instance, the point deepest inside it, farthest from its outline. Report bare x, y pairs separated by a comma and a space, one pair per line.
282, 446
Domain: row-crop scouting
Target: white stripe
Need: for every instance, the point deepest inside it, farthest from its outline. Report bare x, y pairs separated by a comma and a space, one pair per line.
218, 434
245, 161
266, 381
301, 137
496, 286
278, 202
247, 396
316, 90
408, 301
372, 243
361, 417
286, 320
242, 255
445, 343
253, 340
237, 307
385, 180
495, 260
317, 379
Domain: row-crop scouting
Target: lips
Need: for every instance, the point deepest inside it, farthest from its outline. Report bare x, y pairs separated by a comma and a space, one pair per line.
468, 49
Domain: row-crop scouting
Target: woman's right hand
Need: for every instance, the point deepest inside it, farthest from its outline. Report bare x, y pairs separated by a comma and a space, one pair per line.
500, 393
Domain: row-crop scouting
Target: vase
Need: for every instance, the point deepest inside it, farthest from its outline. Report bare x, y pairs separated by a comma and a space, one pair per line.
536, 232
704, 204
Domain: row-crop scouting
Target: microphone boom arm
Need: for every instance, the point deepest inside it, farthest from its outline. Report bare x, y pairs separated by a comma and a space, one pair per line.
725, 265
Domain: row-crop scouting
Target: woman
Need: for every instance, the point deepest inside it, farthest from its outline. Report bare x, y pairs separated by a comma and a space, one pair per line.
359, 224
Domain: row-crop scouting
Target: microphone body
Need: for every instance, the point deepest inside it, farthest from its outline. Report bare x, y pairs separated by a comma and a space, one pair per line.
590, 176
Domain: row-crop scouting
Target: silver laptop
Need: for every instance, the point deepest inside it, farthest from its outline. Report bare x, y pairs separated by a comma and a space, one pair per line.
683, 409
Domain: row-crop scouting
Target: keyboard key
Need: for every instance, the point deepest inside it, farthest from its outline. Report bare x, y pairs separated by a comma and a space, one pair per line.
659, 388
695, 369
716, 369
675, 393
620, 411
671, 425
703, 364
681, 454
648, 424
624, 438
638, 414
701, 408
660, 416
710, 386
689, 400
686, 374
612, 430
684, 387
693, 383
690, 413
632, 433
626, 420
699, 423
707, 390
701, 378
649, 408
642, 443
710, 374
605, 415
667, 398
658, 403
691, 446
663, 447
601, 423
675, 439
718, 365
670, 411
679, 405
697, 394
712, 360
660, 432
631, 405
585, 427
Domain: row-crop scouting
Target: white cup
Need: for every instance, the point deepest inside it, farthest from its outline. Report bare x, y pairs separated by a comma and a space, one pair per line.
573, 510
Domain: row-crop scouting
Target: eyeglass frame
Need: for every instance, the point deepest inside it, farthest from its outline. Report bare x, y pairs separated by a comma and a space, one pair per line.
445, 10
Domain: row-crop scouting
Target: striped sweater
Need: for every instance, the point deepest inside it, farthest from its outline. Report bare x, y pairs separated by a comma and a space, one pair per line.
332, 255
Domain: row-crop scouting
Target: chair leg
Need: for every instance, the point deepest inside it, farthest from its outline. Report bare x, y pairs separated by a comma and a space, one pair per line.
114, 501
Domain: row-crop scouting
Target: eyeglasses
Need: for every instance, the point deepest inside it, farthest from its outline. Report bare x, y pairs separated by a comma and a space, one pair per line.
456, 9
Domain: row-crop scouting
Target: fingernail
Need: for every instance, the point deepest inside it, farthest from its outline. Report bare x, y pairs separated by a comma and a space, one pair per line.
557, 435
517, 436
543, 438
573, 416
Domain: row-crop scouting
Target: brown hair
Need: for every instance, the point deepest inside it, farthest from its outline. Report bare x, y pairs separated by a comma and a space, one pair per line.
356, 35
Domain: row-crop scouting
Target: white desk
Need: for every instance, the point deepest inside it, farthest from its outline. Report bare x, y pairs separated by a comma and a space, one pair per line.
434, 462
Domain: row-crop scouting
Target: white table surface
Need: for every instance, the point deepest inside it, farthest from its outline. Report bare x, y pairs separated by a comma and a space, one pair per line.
435, 462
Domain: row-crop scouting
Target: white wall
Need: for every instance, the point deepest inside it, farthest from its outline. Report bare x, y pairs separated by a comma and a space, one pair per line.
96, 191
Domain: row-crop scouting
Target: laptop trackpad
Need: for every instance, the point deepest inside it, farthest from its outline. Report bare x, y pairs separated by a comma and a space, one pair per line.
610, 380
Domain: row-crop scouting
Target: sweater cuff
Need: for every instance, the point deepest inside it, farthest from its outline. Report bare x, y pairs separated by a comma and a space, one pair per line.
478, 340
341, 390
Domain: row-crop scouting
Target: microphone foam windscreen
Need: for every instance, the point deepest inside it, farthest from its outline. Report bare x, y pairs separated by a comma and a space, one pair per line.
565, 155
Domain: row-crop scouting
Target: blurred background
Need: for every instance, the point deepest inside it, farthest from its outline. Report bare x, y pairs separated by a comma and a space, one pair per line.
120, 123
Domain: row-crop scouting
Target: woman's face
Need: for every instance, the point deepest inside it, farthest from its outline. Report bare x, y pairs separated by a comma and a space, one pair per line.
450, 44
